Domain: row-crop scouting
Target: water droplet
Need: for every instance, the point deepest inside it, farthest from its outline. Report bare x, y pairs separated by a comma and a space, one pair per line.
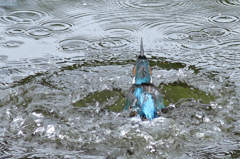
200, 135
211, 85
199, 115
206, 119
213, 105
50, 130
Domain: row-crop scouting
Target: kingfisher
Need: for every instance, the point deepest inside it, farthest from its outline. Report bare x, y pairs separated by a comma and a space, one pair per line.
143, 97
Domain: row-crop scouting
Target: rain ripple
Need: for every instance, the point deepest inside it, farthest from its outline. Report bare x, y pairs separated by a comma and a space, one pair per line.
205, 38
109, 43
77, 44
15, 31
215, 31
3, 57
228, 2
11, 44
147, 4
57, 26
73, 45
168, 27
223, 19
39, 32
23, 17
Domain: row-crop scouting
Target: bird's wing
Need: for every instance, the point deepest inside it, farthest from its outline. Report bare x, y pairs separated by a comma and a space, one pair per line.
130, 98
157, 96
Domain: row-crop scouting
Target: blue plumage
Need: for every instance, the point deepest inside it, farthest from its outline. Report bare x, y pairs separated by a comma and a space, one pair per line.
143, 96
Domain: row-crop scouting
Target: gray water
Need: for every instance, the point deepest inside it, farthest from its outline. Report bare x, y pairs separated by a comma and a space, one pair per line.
66, 67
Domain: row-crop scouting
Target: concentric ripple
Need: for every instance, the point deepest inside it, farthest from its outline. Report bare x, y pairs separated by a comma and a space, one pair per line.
11, 44
199, 40
223, 19
168, 27
215, 31
109, 43
228, 2
120, 32
57, 26
177, 36
15, 31
156, 4
231, 45
198, 36
73, 45
23, 17
39, 32
3, 57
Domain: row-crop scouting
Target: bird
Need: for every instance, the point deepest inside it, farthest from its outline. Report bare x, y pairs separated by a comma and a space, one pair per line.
143, 98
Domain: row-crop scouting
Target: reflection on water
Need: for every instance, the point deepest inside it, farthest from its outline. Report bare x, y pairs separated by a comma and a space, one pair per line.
66, 67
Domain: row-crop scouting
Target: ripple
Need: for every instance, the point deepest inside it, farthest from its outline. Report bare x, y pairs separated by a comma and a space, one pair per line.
23, 17
228, 2
156, 4
15, 31
109, 43
12, 44
169, 27
199, 46
57, 26
120, 32
231, 45
215, 31
177, 36
39, 32
198, 36
199, 40
236, 29
3, 57
223, 19
72, 45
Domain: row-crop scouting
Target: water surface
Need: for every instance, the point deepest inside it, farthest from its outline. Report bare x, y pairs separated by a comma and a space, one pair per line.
66, 67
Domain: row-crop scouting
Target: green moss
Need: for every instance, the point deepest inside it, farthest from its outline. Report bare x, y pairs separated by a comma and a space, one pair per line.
176, 91
115, 100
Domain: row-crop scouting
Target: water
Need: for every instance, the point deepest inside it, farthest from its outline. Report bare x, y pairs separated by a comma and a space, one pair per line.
66, 67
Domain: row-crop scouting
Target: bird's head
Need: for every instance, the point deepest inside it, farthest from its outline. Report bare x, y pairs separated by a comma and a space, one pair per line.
141, 71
